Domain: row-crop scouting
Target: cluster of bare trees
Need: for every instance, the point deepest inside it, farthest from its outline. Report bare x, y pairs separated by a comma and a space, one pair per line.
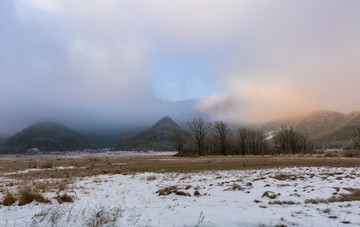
210, 138
288, 140
251, 141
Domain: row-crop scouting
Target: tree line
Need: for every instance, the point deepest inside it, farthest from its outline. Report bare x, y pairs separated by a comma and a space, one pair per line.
217, 138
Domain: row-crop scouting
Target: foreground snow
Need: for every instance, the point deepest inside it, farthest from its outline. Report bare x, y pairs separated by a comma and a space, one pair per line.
227, 198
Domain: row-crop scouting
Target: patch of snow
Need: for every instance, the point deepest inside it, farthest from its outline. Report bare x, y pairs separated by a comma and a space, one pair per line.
44, 169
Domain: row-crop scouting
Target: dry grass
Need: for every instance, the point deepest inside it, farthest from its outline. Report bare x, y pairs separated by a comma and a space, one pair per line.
316, 201
104, 216
326, 211
27, 195
95, 164
283, 177
354, 195
270, 194
278, 202
167, 190
65, 198
46, 164
151, 178
182, 193
235, 187
9, 199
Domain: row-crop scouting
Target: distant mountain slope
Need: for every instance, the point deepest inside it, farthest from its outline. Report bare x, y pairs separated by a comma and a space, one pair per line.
341, 136
48, 136
104, 138
329, 128
2, 141
155, 138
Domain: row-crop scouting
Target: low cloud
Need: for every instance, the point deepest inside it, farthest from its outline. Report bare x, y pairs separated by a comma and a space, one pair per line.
256, 101
92, 60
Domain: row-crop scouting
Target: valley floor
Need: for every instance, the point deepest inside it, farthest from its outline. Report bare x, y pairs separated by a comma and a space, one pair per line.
284, 196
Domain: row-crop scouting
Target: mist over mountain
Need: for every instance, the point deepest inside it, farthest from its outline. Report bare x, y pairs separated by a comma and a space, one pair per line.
155, 138
327, 128
118, 123
48, 136
108, 138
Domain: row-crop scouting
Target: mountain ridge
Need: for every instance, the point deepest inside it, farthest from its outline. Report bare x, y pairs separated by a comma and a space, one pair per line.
155, 138
48, 136
328, 128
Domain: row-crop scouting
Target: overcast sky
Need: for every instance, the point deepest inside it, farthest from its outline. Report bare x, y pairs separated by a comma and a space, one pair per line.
122, 60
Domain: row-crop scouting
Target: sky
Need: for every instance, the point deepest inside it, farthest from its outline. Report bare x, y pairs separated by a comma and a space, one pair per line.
120, 61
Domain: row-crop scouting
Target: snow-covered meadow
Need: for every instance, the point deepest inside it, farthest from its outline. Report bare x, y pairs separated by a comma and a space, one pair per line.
297, 196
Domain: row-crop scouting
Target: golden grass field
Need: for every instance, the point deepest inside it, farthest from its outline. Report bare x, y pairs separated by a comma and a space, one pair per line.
82, 165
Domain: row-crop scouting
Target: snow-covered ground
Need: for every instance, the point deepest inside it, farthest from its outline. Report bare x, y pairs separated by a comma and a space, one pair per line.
227, 198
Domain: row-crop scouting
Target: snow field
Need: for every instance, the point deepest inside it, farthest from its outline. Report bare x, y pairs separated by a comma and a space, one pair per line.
265, 197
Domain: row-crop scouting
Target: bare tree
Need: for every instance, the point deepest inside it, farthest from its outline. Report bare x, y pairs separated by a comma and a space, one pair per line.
251, 142
356, 137
287, 139
179, 137
198, 130
222, 135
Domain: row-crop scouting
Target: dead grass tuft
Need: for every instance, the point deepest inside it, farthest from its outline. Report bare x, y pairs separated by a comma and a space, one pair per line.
65, 198
102, 216
278, 202
326, 211
27, 195
283, 177
316, 201
270, 194
9, 199
182, 193
167, 190
235, 187
151, 178
354, 195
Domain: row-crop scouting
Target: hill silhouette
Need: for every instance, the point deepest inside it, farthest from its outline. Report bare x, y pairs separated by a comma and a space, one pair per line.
155, 138
48, 136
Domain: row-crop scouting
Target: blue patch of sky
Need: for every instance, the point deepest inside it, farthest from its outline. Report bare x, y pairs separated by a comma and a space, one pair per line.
180, 76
